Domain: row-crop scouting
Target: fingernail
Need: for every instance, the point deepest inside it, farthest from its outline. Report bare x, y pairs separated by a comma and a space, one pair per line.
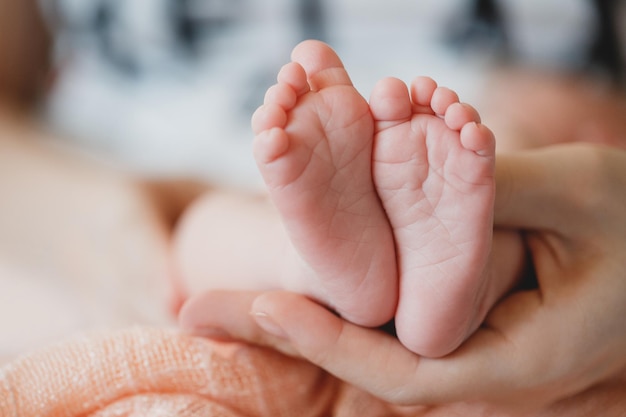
268, 324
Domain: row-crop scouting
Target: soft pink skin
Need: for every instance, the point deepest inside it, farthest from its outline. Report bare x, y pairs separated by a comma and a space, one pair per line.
313, 146
347, 182
434, 172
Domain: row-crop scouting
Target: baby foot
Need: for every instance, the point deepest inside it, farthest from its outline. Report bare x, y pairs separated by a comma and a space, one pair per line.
313, 146
434, 172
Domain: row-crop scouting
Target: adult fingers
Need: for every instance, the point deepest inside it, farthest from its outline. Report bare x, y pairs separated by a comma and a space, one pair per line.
225, 315
367, 358
378, 363
519, 359
294, 325
514, 362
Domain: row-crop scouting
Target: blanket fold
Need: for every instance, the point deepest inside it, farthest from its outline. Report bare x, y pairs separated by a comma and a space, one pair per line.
157, 372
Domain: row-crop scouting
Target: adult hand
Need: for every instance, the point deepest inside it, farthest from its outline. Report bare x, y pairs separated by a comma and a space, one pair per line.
536, 347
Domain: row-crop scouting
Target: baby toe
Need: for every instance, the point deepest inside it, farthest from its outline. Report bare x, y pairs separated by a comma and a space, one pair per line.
294, 75
390, 101
422, 89
268, 116
459, 114
478, 138
282, 95
442, 99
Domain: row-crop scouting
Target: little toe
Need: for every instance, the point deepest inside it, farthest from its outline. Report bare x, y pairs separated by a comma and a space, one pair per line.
478, 138
293, 75
321, 64
459, 114
390, 103
268, 116
442, 99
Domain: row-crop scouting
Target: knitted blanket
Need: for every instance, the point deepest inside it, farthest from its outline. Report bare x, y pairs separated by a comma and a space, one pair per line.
157, 372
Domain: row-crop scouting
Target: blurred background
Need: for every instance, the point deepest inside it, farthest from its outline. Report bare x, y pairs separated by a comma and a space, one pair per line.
168, 86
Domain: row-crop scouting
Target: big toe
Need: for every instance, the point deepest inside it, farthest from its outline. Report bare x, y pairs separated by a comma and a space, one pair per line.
322, 65
390, 102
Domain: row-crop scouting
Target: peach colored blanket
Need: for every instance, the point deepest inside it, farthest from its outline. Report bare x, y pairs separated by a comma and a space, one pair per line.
155, 372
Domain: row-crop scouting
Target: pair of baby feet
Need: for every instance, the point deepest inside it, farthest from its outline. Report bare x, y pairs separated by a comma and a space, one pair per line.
388, 205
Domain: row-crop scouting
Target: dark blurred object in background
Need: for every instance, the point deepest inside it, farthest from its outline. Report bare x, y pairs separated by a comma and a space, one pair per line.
24, 47
488, 26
